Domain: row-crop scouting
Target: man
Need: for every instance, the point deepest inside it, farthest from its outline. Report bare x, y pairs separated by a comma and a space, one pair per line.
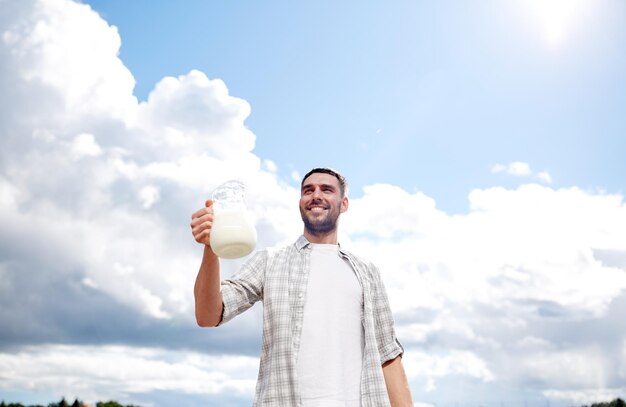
328, 334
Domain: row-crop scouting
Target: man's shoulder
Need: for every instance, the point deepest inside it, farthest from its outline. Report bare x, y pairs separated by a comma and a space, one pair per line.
360, 260
279, 250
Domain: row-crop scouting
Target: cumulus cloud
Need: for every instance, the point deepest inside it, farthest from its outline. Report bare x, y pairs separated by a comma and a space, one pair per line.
480, 281
529, 244
120, 372
94, 167
521, 169
96, 193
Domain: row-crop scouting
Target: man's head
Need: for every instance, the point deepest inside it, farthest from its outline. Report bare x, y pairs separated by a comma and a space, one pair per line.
322, 199
343, 183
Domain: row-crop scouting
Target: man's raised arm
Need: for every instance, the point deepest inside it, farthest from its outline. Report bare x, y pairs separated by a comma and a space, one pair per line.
207, 294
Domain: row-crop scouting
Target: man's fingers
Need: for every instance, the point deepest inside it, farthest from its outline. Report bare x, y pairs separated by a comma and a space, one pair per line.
202, 232
201, 222
201, 212
201, 218
202, 237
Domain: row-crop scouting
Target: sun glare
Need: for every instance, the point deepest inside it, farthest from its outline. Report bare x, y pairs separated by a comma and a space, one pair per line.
557, 18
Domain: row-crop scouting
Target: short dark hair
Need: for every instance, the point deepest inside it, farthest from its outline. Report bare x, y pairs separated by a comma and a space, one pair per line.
343, 183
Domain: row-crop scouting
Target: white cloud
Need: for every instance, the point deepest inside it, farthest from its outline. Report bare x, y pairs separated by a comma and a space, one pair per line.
84, 145
586, 368
94, 373
529, 244
545, 177
387, 211
431, 367
526, 251
517, 168
149, 195
521, 169
9, 193
69, 49
295, 176
270, 165
191, 114
173, 149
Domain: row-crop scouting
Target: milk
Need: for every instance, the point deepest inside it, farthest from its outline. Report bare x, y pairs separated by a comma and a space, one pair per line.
232, 234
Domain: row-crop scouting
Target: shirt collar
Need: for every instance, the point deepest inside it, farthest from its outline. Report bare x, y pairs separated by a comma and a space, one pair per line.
302, 243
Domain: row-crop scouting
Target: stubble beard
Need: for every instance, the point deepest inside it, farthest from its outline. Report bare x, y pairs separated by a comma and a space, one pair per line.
322, 226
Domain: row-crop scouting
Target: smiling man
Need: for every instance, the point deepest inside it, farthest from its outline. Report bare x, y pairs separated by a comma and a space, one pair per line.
328, 333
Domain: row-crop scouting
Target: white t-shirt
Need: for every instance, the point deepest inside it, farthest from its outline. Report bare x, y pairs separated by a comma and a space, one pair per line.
331, 346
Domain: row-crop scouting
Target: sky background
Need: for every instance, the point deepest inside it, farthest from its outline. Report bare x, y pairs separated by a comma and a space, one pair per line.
483, 143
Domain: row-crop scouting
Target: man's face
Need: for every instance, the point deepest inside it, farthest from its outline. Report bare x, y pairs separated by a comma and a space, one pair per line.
321, 203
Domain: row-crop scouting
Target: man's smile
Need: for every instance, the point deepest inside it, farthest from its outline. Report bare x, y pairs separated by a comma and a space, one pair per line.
317, 208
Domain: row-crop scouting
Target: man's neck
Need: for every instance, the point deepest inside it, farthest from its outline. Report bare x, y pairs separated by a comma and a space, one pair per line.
326, 238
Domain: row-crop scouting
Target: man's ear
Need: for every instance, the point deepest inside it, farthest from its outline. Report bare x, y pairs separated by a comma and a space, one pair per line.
344, 204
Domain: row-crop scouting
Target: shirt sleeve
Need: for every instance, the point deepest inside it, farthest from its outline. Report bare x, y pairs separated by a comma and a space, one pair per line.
244, 288
389, 346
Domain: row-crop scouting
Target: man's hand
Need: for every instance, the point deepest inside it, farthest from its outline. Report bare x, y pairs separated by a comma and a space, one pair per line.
201, 223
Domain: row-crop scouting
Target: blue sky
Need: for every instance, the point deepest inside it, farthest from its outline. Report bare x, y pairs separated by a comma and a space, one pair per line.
483, 142
425, 95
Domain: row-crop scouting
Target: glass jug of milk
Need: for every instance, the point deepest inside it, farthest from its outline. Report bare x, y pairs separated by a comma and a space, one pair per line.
232, 232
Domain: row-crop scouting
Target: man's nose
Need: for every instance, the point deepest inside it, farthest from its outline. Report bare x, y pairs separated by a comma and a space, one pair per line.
317, 193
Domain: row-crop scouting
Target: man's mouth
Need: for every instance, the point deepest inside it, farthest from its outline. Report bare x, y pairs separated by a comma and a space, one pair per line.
317, 208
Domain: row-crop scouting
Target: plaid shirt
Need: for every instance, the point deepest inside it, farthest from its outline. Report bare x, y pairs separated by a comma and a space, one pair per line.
279, 279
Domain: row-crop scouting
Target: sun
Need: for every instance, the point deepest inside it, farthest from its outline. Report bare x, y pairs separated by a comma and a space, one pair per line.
557, 18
